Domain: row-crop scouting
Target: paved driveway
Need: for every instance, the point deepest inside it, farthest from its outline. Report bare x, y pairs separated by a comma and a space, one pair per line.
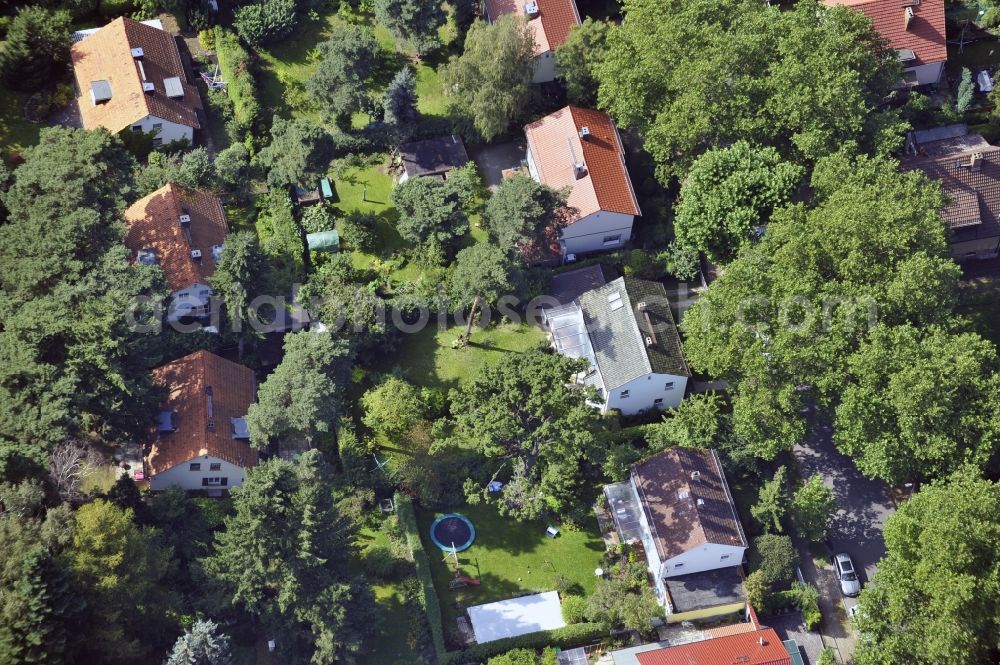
791, 627
493, 159
864, 507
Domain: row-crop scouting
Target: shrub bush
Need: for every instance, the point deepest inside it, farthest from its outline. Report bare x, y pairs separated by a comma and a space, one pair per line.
574, 609
236, 68
809, 605
207, 39
776, 557
110, 9
427, 596
357, 230
991, 19
381, 562
265, 21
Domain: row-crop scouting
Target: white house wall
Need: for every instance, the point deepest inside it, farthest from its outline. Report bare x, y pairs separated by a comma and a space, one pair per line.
645, 390
704, 557
192, 480
596, 233
928, 74
545, 67
652, 559
185, 301
165, 130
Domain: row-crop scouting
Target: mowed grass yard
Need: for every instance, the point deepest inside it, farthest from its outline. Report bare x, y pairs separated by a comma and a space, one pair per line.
511, 559
428, 358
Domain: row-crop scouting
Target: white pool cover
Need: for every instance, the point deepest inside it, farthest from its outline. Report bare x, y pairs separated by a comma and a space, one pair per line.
517, 616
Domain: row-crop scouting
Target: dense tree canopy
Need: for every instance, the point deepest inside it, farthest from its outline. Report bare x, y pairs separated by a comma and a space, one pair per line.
519, 410
578, 57
692, 74
340, 84
400, 99
413, 21
922, 403
299, 151
68, 359
728, 192
431, 216
489, 84
239, 277
784, 319
36, 48
265, 21
935, 599
523, 212
482, 274
283, 556
301, 398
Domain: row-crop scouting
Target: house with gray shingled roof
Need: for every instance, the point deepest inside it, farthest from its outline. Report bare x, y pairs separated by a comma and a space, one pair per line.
626, 331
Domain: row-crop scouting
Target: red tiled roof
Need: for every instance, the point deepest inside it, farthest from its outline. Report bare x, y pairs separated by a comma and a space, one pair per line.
555, 19
186, 380
759, 647
925, 35
686, 501
106, 55
153, 223
555, 142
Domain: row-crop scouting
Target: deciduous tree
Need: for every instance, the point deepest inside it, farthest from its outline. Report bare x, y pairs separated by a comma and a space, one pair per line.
772, 502
521, 211
482, 274
578, 57
814, 507
489, 84
727, 193
430, 216
299, 151
413, 21
392, 407
935, 598
340, 84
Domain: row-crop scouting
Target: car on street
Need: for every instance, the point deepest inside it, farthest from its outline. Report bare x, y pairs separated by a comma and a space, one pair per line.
850, 585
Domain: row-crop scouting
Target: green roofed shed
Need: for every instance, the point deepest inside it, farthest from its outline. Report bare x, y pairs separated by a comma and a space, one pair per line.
326, 241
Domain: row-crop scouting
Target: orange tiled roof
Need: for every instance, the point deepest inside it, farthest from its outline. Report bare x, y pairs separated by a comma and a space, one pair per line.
154, 223
106, 55
924, 35
555, 142
187, 380
555, 19
758, 647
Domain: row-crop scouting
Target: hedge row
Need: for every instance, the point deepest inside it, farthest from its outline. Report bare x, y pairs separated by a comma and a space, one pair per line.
235, 65
574, 635
428, 596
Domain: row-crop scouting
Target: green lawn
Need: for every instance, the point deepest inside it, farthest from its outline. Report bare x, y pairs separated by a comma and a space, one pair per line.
430, 96
16, 133
511, 559
428, 358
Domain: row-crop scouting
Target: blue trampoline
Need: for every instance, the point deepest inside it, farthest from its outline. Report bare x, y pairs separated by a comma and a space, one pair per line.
453, 531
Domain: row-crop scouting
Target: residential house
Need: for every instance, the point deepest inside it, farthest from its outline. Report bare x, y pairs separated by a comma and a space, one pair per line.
747, 643
678, 507
626, 332
201, 440
183, 232
129, 77
432, 158
549, 22
968, 169
914, 29
580, 150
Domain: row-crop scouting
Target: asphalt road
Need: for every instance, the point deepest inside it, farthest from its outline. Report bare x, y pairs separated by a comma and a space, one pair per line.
864, 505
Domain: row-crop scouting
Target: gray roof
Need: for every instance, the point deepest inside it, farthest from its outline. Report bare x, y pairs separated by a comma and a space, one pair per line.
433, 156
631, 341
568, 286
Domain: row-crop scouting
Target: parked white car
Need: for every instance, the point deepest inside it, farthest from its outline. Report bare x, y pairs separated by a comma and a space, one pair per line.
850, 585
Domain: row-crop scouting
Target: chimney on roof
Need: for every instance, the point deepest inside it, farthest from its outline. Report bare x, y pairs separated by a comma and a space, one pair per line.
211, 408
196, 255
148, 87
761, 641
579, 168
976, 161
137, 53
695, 475
585, 133
907, 17
531, 9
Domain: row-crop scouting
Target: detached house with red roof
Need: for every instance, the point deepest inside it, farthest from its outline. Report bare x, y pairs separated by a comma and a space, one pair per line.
914, 29
677, 507
129, 77
183, 232
549, 22
580, 150
201, 440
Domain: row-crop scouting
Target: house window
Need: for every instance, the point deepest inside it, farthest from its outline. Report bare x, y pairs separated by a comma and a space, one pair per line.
669, 386
157, 126
612, 240
157, 141
137, 129
195, 466
214, 480
658, 401
678, 565
624, 394
215, 466
723, 557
